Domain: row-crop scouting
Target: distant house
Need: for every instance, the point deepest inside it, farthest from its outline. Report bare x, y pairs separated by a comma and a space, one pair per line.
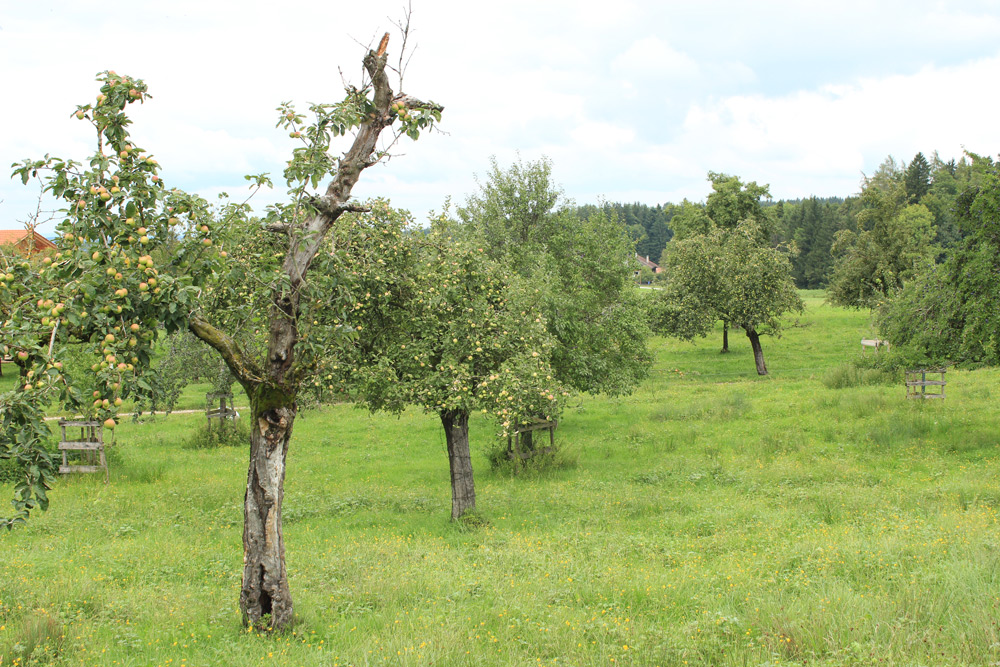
644, 261
28, 243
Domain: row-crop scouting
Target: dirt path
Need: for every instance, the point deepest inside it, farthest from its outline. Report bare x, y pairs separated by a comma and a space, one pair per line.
162, 414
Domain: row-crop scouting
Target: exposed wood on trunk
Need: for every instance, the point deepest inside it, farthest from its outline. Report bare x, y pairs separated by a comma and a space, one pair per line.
463, 486
265, 600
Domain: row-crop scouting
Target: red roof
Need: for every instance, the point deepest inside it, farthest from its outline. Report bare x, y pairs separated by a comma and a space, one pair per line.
19, 237
645, 262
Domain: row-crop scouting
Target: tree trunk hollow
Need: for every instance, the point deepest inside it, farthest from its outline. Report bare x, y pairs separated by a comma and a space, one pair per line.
463, 487
758, 352
265, 600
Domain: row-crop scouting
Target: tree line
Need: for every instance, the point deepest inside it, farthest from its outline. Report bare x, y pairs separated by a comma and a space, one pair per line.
811, 225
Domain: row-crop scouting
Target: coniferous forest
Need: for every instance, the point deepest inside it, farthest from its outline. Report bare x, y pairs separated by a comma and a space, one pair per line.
810, 227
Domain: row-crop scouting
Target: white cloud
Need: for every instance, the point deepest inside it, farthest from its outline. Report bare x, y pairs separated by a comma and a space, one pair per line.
819, 142
633, 100
652, 57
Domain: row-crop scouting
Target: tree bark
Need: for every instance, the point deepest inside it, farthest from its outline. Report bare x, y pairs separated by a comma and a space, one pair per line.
758, 353
463, 487
265, 600
725, 337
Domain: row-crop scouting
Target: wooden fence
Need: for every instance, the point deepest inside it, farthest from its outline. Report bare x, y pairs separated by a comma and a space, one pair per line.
514, 450
224, 411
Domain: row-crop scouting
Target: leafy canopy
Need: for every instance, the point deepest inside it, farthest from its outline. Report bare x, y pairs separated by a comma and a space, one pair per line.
102, 294
580, 269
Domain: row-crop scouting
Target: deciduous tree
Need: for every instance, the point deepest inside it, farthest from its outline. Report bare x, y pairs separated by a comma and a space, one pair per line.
461, 338
949, 311
893, 239
728, 275
581, 266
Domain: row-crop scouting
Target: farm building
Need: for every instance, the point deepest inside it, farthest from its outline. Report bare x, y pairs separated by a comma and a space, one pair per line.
25, 241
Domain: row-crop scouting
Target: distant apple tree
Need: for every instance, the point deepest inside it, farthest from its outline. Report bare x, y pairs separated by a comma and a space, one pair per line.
725, 274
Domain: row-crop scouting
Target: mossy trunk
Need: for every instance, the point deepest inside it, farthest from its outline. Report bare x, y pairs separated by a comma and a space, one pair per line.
463, 486
265, 600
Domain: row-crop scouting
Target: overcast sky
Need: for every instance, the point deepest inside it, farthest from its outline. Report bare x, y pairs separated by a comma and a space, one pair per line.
632, 100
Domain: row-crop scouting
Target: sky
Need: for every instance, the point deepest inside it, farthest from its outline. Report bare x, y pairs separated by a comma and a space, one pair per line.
632, 100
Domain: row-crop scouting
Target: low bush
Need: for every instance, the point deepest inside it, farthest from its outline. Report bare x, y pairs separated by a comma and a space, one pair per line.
540, 464
850, 375
231, 433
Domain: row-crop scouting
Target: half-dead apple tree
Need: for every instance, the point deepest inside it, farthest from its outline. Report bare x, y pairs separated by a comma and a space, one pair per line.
105, 214
296, 291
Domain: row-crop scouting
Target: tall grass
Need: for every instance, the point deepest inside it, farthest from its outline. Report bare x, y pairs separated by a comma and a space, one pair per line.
712, 518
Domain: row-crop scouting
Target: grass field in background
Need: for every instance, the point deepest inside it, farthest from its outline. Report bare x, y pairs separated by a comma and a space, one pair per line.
712, 518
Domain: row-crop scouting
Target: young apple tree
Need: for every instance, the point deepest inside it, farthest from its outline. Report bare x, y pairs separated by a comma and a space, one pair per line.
100, 295
294, 277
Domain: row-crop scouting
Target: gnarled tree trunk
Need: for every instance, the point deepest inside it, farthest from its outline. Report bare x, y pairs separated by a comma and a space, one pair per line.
265, 600
758, 353
463, 487
272, 384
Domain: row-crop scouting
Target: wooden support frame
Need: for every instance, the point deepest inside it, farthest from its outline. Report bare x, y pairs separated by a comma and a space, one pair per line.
874, 343
514, 451
917, 383
225, 409
90, 446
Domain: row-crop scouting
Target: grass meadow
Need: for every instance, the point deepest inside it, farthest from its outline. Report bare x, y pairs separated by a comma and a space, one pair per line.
711, 518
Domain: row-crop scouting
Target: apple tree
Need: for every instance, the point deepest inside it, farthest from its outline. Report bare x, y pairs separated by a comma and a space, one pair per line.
100, 294
304, 317
728, 275
460, 338
582, 267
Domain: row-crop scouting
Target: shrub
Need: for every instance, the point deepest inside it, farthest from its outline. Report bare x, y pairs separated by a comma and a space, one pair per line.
884, 367
232, 433
540, 463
